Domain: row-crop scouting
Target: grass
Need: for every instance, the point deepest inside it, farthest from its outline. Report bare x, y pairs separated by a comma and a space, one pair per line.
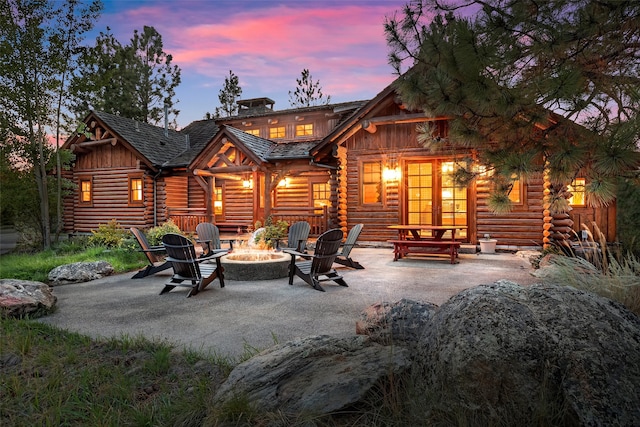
53, 377
49, 376
38, 265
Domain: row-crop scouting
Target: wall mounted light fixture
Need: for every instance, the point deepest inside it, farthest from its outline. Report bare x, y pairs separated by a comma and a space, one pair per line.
391, 173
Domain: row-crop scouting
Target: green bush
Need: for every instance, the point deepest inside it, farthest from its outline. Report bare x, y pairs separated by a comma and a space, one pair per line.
154, 235
110, 235
271, 233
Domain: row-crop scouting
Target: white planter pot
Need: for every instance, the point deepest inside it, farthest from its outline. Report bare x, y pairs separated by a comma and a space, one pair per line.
488, 246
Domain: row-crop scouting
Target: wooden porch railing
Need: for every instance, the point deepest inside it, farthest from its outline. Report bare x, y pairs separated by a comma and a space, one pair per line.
188, 218
318, 218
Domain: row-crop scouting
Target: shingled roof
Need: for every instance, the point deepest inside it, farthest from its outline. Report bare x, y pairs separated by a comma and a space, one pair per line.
149, 140
180, 148
200, 133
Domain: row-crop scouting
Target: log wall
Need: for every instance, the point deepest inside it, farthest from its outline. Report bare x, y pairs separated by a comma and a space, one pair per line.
110, 167
522, 226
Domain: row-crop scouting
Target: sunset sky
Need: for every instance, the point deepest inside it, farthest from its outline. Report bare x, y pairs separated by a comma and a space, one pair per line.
266, 43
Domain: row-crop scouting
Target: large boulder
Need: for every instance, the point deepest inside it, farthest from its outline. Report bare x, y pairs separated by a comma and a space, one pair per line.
79, 272
317, 374
402, 322
507, 343
24, 298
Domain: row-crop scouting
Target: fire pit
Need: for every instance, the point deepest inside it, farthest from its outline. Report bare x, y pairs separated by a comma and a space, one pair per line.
256, 265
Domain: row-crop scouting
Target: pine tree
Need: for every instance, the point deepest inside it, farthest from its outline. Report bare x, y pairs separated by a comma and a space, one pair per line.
307, 92
133, 81
228, 96
521, 75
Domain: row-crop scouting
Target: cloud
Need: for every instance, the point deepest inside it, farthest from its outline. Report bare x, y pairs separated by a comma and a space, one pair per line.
267, 44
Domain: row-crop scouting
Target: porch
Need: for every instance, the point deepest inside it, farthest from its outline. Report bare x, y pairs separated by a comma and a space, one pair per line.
188, 218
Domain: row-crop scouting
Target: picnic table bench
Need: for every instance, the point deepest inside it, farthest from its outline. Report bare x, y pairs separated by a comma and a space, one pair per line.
411, 240
403, 247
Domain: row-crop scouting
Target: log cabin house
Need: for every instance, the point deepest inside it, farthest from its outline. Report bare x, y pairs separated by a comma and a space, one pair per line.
333, 165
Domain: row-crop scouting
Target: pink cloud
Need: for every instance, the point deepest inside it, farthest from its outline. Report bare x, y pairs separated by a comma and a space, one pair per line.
343, 45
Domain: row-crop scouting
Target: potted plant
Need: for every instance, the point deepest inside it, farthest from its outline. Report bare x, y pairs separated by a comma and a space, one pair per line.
488, 245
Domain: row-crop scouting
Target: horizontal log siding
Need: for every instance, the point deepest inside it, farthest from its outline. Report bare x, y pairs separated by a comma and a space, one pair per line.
238, 203
177, 191
522, 226
111, 201
366, 146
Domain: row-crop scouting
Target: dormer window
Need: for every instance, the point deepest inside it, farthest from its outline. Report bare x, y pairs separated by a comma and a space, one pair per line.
304, 130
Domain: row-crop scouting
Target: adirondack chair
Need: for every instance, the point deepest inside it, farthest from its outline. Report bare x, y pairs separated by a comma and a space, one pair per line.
154, 255
343, 257
316, 268
298, 236
196, 272
209, 239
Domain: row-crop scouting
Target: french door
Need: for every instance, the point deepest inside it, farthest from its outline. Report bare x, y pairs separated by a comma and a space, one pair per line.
432, 198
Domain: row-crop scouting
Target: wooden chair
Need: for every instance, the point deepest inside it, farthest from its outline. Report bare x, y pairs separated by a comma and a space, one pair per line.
155, 255
298, 236
188, 268
343, 257
209, 239
316, 268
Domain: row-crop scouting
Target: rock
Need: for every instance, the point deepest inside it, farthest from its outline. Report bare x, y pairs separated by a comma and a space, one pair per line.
23, 298
317, 374
507, 343
401, 322
79, 272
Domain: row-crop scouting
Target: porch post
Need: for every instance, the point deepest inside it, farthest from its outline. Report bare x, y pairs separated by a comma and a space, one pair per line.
209, 192
267, 194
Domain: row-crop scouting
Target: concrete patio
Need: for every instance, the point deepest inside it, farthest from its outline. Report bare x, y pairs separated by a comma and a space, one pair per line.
224, 321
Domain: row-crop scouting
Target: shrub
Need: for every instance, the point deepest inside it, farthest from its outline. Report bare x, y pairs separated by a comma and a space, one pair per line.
110, 235
272, 232
154, 235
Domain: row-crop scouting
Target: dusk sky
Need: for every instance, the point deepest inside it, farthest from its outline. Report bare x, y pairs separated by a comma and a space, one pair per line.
266, 43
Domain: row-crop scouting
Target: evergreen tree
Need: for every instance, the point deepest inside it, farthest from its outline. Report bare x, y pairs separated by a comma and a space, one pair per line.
36, 55
228, 96
307, 92
133, 81
521, 74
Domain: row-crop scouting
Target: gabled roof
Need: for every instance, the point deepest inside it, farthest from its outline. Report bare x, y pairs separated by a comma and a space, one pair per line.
365, 109
147, 139
199, 134
259, 146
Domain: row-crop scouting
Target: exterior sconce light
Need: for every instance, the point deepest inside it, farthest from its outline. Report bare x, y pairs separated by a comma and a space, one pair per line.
391, 174
284, 182
272, 121
247, 183
247, 123
299, 118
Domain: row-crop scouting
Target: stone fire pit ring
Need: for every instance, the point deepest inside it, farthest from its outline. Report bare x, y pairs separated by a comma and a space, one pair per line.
256, 266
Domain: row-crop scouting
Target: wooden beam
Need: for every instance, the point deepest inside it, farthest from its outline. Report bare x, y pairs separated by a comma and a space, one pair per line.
221, 175
223, 170
401, 118
112, 141
368, 126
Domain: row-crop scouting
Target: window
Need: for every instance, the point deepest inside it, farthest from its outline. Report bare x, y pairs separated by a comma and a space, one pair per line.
516, 190
576, 188
277, 132
135, 191
217, 201
255, 132
371, 182
86, 196
321, 191
304, 130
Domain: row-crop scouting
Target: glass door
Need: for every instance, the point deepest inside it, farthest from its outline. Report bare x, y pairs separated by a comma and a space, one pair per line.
432, 197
